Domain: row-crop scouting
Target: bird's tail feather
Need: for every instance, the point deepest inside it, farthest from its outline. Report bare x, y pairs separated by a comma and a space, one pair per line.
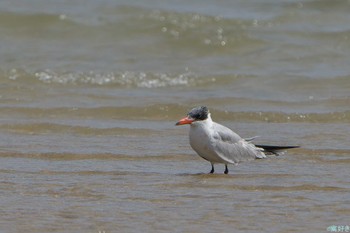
275, 149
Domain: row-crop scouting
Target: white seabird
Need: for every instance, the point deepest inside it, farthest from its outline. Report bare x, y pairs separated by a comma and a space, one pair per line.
218, 144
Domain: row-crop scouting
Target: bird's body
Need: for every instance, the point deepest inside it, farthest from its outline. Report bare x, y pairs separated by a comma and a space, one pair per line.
219, 144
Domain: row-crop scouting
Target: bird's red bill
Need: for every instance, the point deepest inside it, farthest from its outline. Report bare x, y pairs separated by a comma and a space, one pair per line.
184, 121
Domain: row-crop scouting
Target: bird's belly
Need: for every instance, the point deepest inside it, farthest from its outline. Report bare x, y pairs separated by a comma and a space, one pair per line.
203, 145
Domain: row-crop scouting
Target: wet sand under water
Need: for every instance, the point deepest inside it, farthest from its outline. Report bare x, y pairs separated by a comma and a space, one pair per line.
305, 190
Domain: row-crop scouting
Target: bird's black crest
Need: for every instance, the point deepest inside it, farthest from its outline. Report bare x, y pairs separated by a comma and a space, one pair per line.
199, 113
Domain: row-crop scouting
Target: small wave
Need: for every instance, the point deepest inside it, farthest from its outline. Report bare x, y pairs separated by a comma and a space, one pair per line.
27, 21
280, 117
165, 111
126, 78
92, 156
51, 128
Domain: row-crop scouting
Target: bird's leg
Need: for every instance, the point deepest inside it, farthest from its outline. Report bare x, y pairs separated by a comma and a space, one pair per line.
226, 169
212, 169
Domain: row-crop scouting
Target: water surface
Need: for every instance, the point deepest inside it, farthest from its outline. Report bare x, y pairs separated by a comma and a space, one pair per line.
90, 92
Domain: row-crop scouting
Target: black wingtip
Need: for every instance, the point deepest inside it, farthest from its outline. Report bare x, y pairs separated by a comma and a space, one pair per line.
275, 149
268, 147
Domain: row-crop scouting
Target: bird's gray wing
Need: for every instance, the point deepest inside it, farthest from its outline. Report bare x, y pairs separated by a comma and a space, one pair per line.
231, 147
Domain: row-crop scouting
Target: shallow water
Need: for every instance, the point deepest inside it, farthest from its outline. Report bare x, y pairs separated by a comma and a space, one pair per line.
90, 93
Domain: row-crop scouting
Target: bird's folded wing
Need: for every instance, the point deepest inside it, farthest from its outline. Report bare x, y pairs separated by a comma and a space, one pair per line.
231, 147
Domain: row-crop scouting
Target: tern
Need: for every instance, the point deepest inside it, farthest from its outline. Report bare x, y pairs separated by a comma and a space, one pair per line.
218, 144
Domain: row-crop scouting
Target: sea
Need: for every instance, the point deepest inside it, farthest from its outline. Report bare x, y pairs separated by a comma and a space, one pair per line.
90, 92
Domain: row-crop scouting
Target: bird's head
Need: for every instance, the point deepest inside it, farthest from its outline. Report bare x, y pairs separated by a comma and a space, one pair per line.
196, 114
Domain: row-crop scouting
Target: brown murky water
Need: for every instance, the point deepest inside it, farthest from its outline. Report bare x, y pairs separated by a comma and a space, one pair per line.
89, 97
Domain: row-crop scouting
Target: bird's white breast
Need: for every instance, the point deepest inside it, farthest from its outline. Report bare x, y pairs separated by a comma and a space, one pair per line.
202, 141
